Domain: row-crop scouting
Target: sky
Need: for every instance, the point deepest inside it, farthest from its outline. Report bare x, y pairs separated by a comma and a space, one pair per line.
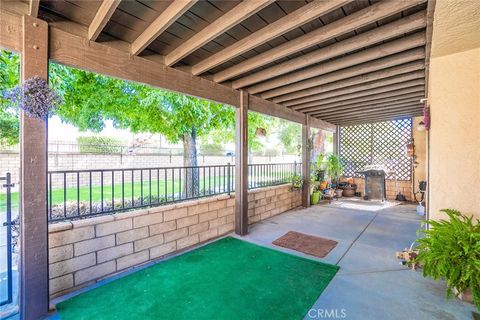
58, 131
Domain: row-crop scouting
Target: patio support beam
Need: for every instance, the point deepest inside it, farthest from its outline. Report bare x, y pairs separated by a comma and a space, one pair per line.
306, 145
174, 11
33, 172
11, 31
33, 6
104, 13
336, 141
236, 15
241, 165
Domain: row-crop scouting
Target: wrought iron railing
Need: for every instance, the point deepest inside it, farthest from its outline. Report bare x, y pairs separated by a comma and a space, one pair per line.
6, 252
80, 193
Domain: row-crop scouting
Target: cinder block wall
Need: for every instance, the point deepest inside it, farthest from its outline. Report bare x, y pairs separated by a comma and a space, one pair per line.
393, 188
84, 251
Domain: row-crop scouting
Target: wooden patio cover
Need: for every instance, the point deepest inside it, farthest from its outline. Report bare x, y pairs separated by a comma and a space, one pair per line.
319, 63
341, 61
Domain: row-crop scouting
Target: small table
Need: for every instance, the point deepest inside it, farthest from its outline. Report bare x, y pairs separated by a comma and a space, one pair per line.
330, 195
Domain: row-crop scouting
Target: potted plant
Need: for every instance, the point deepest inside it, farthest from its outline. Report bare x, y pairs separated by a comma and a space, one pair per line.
334, 171
34, 97
316, 193
296, 182
318, 168
450, 250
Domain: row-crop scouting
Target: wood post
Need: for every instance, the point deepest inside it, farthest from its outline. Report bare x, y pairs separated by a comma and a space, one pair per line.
306, 148
336, 141
241, 165
33, 172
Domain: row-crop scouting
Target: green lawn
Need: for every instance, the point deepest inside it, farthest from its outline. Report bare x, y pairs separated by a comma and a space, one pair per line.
160, 187
227, 279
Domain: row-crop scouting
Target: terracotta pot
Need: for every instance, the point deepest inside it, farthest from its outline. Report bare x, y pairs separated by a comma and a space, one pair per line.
466, 295
348, 192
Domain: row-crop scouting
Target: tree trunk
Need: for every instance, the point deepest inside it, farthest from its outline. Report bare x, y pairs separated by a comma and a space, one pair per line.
191, 179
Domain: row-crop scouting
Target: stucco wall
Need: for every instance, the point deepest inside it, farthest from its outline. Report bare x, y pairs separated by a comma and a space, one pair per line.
84, 251
420, 167
454, 98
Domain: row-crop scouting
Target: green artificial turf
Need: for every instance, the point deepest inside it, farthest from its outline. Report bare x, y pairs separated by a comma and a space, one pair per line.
227, 279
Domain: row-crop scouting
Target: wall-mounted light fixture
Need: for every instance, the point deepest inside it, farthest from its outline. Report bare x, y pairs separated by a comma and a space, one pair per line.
421, 126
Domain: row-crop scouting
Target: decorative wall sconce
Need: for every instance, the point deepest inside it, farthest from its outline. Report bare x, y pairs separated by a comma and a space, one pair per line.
421, 126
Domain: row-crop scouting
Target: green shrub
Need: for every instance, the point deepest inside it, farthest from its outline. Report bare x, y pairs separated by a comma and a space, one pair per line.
272, 152
296, 181
98, 144
212, 149
334, 167
450, 250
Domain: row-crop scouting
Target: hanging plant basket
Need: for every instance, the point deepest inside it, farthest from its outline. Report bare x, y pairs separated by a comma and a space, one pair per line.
34, 97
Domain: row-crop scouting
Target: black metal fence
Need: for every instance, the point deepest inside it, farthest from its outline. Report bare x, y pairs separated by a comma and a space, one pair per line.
6, 252
80, 193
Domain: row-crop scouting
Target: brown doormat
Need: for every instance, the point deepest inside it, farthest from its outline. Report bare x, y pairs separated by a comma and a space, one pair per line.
315, 246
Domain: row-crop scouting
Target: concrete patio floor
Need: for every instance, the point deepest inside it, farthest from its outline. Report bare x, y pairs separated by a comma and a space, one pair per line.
371, 283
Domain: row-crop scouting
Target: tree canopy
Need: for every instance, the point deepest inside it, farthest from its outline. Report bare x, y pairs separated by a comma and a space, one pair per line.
91, 99
10, 75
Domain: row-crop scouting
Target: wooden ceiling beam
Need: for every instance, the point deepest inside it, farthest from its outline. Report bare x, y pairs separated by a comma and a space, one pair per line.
374, 113
374, 103
281, 26
104, 13
357, 80
374, 98
233, 17
391, 30
374, 85
33, 6
347, 67
334, 29
397, 112
378, 119
11, 31
320, 124
174, 11
393, 87
382, 107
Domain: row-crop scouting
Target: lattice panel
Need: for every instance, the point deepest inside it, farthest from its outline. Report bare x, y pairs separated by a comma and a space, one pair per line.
380, 143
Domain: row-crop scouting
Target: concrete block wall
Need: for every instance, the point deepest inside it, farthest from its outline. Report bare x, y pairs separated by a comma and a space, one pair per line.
84, 251
393, 188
